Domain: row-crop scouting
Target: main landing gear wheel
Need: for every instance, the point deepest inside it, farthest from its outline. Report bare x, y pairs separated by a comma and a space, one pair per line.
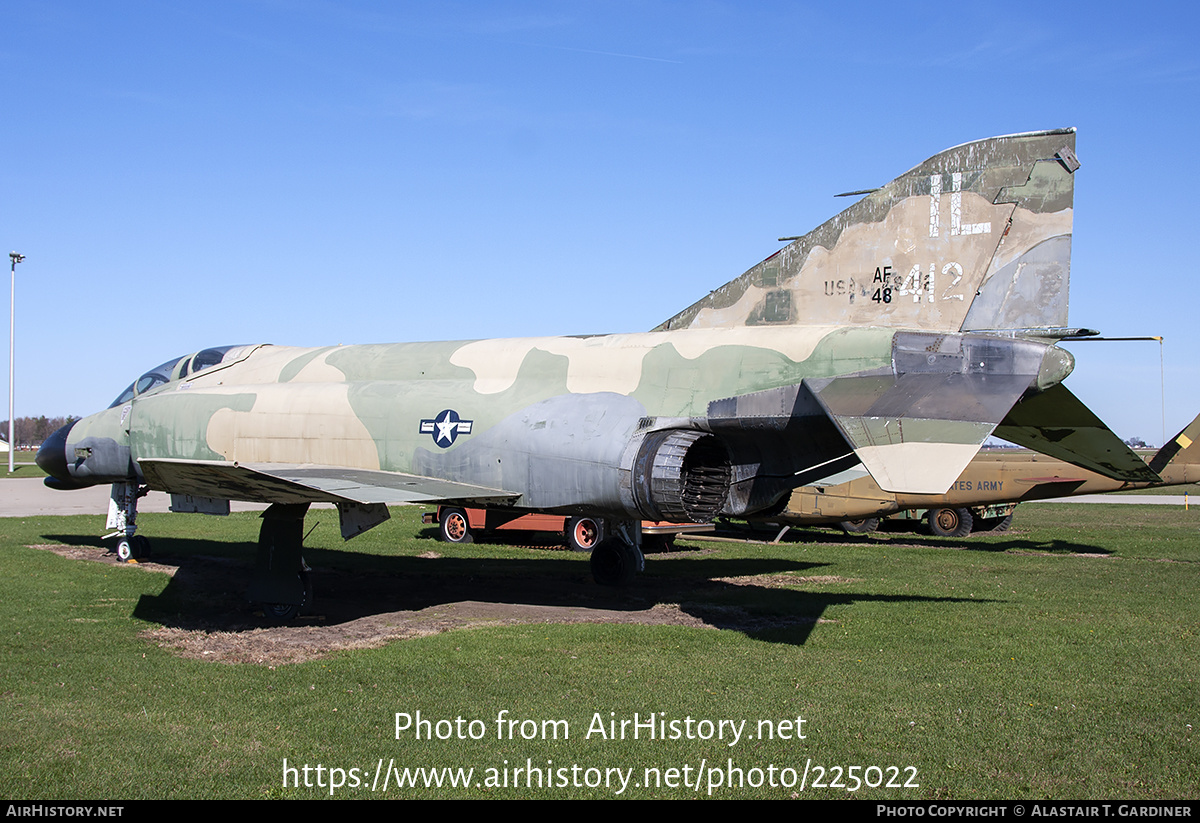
583, 533
279, 613
280, 584
863, 526
951, 522
454, 526
614, 562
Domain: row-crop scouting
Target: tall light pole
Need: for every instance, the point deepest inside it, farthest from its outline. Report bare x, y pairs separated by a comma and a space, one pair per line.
12, 316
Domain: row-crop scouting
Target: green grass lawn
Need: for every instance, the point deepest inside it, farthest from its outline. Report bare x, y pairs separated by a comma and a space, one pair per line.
23, 466
1058, 660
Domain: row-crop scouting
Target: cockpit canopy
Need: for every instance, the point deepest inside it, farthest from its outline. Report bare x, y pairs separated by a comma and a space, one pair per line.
177, 368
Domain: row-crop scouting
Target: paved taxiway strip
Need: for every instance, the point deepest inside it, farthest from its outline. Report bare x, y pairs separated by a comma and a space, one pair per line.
1147, 499
28, 496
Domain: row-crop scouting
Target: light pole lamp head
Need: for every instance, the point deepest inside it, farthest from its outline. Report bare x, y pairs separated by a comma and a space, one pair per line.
16, 258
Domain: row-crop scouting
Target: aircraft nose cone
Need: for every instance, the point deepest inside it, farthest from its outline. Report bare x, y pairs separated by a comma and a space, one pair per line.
52, 458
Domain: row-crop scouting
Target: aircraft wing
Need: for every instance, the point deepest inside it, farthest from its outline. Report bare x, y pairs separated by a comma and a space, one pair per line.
1058, 424
285, 483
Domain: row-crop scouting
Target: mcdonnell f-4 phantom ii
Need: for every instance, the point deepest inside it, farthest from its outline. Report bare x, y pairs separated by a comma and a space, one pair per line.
893, 339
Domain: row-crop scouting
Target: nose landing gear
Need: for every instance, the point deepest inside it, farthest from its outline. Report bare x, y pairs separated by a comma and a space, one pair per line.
122, 516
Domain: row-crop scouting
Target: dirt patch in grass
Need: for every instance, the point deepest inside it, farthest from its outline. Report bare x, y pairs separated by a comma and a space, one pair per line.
313, 637
99, 556
777, 581
204, 615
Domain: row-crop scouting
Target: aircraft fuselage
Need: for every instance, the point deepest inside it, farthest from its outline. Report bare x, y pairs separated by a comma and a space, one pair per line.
557, 424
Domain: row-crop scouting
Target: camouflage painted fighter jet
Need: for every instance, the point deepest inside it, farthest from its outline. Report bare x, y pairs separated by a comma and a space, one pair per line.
894, 338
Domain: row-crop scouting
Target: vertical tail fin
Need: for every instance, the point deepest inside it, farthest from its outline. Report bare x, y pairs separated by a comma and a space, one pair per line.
976, 237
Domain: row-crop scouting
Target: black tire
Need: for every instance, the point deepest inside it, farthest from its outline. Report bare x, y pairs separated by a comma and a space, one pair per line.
141, 546
279, 613
864, 526
614, 562
583, 533
997, 525
950, 522
454, 526
126, 550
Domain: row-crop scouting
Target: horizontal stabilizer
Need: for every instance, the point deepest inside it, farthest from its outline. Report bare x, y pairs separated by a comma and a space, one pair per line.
277, 483
1058, 424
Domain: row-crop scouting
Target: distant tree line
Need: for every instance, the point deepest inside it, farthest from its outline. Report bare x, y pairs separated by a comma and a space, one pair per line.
29, 432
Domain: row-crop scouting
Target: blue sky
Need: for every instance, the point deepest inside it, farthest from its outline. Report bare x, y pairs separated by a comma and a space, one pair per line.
181, 175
